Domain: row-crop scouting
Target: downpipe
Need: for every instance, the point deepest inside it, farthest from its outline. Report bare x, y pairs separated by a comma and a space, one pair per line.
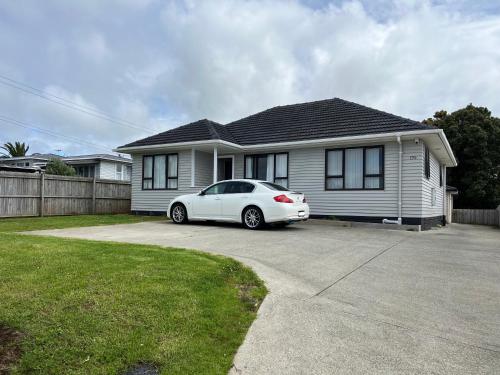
399, 221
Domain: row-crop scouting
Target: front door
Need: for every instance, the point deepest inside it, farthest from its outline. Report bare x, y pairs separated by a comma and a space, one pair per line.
224, 168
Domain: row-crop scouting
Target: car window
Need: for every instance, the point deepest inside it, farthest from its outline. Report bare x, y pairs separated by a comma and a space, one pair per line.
216, 189
238, 187
272, 186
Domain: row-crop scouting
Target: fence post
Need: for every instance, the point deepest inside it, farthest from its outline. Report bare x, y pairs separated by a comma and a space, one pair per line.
93, 195
42, 193
498, 215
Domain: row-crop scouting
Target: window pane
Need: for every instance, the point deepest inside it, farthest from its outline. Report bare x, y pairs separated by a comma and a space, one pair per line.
216, 189
148, 184
270, 167
334, 163
212, 190
172, 183
159, 175
372, 182
274, 186
172, 165
245, 187
232, 188
372, 162
148, 166
261, 168
282, 182
281, 165
354, 168
249, 167
334, 183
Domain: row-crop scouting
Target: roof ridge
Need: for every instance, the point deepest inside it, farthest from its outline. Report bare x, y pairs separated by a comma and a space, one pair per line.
214, 134
382, 112
326, 118
282, 106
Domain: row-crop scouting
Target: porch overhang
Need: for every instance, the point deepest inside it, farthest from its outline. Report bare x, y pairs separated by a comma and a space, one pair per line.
206, 146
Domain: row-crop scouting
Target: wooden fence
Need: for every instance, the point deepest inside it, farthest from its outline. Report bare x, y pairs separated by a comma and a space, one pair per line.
471, 216
28, 194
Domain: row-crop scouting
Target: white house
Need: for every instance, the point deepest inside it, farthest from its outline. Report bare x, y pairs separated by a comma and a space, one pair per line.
352, 162
102, 166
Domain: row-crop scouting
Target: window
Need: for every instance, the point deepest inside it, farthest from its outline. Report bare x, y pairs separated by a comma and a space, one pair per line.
427, 163
440, 175
160, 172
84, 170
268, 167
119, 172
355, 168
274, 186
238, 187
216, 189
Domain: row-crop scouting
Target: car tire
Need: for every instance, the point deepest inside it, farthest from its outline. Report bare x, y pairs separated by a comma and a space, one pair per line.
253, 218
179, 214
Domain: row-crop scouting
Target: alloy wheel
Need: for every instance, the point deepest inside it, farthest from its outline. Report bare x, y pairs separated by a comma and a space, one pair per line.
178, 214
252, 218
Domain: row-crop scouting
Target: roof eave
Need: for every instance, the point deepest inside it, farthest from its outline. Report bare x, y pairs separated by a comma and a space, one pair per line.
451, 162
136, 149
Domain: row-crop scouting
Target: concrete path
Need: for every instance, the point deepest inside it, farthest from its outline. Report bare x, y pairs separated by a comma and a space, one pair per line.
355, 300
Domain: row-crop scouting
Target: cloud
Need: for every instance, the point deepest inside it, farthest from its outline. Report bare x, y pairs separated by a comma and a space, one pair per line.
159, 65
93, 47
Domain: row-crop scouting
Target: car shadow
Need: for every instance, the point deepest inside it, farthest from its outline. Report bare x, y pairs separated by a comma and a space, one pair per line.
267, 227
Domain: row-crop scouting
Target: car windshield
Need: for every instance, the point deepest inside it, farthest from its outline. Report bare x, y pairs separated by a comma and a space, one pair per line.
274, 186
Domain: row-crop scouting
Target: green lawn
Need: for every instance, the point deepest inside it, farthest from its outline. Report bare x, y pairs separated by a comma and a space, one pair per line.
53, 222
87, 307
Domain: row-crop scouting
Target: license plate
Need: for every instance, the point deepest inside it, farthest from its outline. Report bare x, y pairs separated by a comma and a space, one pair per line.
301, 213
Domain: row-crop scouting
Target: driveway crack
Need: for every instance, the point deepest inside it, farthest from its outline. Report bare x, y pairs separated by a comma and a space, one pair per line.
358, 267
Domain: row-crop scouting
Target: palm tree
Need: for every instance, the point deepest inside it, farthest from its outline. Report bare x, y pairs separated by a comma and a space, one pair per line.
16, 149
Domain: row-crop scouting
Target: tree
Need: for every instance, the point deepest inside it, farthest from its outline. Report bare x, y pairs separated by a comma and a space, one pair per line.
56, 166
16, 149
474, 136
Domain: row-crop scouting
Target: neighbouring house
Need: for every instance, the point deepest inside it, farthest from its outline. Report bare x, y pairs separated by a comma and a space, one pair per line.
352, 162
101, 166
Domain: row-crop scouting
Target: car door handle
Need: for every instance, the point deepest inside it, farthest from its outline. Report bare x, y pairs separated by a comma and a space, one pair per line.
217, 198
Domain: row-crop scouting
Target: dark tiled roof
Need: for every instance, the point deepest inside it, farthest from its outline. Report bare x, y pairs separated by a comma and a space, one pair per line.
97, 157
201, 130
329, 118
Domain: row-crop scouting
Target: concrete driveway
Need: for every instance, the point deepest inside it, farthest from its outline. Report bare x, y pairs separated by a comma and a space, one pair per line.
355, 300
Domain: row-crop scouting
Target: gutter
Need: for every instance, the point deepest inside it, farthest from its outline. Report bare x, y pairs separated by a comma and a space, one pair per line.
318, 142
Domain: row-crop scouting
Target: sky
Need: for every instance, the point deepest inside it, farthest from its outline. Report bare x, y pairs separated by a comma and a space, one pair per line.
119, 70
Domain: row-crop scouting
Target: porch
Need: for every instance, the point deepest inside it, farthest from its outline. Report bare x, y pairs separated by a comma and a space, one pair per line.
212, 164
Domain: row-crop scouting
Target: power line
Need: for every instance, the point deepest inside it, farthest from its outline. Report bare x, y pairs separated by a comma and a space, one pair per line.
12, 121
68, 103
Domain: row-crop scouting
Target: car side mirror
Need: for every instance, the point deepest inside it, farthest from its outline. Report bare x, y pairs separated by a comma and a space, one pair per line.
201, 193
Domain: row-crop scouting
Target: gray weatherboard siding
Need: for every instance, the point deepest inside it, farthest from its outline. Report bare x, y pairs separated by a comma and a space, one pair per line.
307, 175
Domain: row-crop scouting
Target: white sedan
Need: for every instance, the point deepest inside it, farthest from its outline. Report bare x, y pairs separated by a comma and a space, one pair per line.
250, 202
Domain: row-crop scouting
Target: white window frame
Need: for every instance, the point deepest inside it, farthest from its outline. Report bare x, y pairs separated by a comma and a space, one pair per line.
232, 163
